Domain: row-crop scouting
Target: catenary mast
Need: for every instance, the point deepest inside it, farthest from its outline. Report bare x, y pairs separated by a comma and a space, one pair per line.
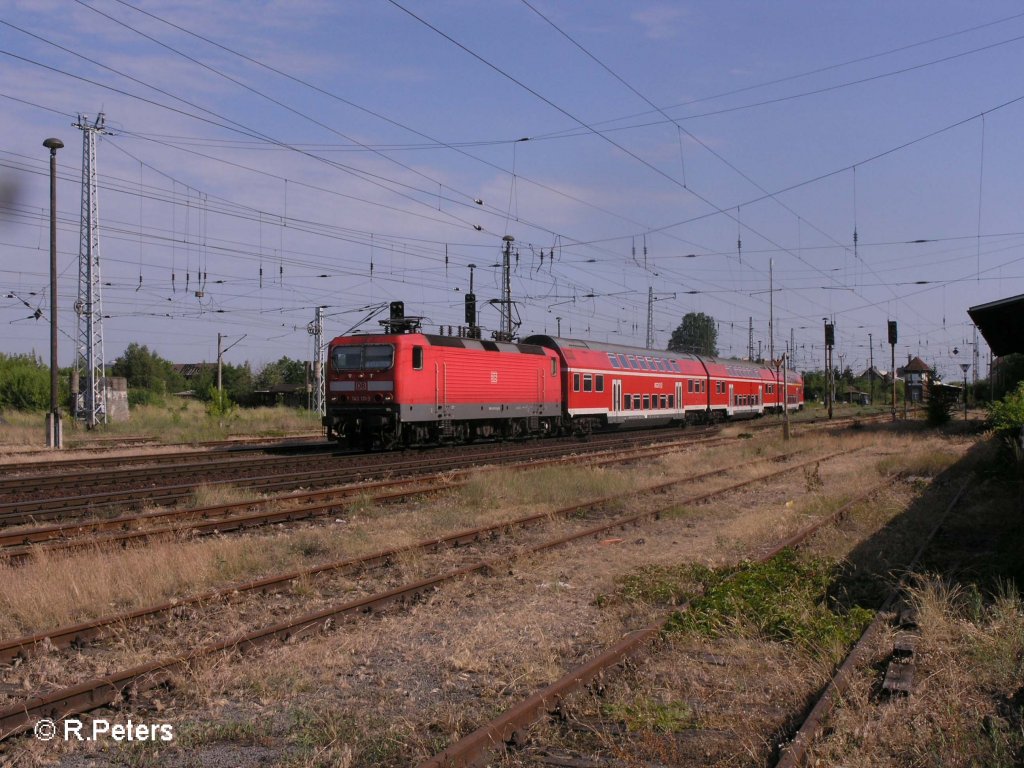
91, 403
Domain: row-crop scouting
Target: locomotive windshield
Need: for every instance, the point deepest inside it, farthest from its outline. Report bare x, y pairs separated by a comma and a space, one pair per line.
367, 357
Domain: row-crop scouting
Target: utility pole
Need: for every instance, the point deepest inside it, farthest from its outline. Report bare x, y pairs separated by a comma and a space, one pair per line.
977, 359
651, 298
505, 334
220, 361
650, 315
316, 330
871, 366
54, 429
830, 340
964, 367
892, 344
785, 395
750, 338
89, 306
771, 312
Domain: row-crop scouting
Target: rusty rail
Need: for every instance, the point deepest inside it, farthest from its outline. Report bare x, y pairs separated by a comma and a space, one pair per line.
472, 750
21, 544
794, 753
79, 634
108, 689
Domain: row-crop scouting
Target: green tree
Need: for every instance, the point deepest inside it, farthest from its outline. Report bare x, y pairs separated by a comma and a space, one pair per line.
281, 372
1007, 374
145, 369
237, 381
24, 383
814, 385
697, 334
1007, 415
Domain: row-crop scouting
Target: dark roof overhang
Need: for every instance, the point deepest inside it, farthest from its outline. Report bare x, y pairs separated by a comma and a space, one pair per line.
1002, 324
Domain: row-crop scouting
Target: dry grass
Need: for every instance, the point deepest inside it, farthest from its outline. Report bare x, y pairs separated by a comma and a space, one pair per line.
218, 494
19, 430
178, 421
400, 686
968, 708
186, 421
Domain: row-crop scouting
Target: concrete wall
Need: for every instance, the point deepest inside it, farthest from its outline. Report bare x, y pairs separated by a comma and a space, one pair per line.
117, 398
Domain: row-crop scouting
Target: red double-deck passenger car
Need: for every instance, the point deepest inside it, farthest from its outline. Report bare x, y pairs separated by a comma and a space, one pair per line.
612, 385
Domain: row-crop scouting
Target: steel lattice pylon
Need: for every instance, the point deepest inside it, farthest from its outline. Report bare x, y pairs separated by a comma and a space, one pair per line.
316, 330
91, 405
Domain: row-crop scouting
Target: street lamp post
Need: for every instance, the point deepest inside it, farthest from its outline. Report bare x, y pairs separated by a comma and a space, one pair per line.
54, 431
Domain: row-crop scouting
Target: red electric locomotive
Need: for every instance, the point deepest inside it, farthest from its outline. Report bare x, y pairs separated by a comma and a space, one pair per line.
402, 388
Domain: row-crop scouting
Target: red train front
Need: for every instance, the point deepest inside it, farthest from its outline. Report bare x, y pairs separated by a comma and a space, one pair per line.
392, 389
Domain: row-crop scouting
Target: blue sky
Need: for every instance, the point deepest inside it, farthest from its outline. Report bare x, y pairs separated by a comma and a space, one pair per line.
268, 153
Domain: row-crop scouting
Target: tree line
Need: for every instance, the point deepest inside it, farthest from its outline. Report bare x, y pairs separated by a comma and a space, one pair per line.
25, 379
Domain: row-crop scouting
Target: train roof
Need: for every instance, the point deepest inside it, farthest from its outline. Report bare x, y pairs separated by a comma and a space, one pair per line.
732, 366
454, 342
556, 342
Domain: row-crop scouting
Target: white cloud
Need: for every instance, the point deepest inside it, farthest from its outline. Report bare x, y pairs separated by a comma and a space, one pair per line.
660, 22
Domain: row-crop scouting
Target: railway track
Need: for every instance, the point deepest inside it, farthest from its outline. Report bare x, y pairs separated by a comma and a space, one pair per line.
30, 499
510, 731
103, 690
261, 477
21, 543
511, 726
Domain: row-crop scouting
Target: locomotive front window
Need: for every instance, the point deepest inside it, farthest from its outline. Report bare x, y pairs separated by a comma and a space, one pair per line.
372, 357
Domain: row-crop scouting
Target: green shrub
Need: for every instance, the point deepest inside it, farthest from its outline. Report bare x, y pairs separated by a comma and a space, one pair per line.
138, 397
1007, 415
220, 404
24, 383
940, 408
783, 600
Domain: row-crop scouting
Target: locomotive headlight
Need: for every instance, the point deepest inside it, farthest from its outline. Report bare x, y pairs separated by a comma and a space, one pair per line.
388, 397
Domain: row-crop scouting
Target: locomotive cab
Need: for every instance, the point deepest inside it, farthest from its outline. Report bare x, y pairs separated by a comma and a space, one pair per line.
362, 410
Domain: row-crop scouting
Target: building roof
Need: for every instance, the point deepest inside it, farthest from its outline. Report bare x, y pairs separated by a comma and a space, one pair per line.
917, 365
875, 372
190, 370
1002, 324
